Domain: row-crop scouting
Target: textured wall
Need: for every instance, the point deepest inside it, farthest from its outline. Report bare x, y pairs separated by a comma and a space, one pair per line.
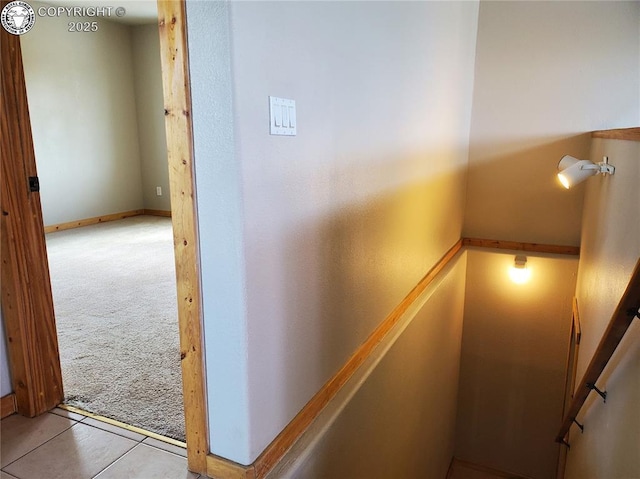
83, 116
406, 409
512, 371
610, 249
219, 203
546, 73
338, 222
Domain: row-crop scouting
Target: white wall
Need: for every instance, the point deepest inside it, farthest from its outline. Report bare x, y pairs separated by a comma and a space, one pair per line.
512, 372
609, 251
83, 116
401, 421
220, 224
147, 73
337, 223
5, 377
546, 73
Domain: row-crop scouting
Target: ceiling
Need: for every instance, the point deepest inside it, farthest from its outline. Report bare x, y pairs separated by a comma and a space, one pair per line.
138, 12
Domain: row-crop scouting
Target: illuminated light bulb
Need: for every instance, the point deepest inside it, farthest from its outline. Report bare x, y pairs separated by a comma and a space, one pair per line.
519, 273
563, 179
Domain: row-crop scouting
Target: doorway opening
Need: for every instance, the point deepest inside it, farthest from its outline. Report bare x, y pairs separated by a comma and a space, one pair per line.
97, 116
27, 309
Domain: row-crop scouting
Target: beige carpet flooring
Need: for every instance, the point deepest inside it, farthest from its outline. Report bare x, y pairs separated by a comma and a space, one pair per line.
116, 314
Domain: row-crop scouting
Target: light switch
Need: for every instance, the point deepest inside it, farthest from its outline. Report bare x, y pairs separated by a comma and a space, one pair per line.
277, 117
282, 115
292, 117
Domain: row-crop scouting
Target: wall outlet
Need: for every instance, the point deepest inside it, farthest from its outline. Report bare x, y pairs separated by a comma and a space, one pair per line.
158, 190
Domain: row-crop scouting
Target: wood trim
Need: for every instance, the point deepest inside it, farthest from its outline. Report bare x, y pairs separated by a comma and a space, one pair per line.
276, 450
577, 332
220, 468
27, 302
515, 245
631, 134
177, 101
7, 405
576, 319
571, 363
628, 308
164, 213
128, 427
92, 221
104, 218
571, 369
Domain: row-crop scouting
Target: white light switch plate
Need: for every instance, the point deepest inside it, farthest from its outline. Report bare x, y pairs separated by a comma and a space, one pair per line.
282, 116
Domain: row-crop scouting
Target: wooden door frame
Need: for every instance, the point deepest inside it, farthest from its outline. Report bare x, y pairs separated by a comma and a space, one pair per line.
26, 288
27, 302
172, 23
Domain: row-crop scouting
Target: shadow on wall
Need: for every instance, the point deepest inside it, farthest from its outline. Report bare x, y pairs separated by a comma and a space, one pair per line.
405, 411
513, 193
339, 275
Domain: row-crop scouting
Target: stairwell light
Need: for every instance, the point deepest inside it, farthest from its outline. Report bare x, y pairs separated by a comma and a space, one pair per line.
519, 273
572, 171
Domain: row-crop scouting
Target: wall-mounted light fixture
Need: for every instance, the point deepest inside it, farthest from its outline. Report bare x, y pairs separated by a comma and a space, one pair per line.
519, 273
572, 171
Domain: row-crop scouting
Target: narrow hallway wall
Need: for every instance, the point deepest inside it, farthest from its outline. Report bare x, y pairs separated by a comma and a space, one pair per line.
610, 249
512, 376
326, 231
400, 423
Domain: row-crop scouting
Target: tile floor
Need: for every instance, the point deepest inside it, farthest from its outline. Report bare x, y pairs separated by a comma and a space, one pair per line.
66, 445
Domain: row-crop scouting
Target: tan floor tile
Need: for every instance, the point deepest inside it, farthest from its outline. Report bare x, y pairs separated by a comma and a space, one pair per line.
114, 429
165, 446
145, 462
21, 435
80, 452
68, 414
4, 475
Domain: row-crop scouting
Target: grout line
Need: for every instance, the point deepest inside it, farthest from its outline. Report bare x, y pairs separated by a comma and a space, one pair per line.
116, 460
139, 441
40, 445
67, 417
131, 450
159, 448
123, 425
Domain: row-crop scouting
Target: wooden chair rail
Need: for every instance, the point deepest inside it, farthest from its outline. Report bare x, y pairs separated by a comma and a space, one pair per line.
628, 308
630, 134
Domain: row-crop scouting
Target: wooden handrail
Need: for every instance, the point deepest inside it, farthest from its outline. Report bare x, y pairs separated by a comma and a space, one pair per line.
628, 308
